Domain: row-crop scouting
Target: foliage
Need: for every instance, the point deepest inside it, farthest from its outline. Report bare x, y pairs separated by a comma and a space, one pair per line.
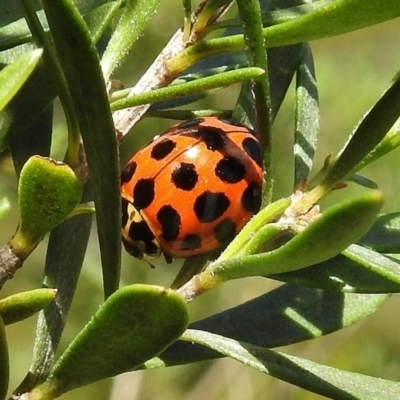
335, 264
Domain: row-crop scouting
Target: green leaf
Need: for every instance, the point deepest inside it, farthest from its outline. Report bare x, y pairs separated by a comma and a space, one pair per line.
80, 64
36, 140
245, 242
286, 315
195, 86
384, 235
326, 381
363, 181
31, 101
100, 18
325, 237
198, 71
23, 305
65, 254
47, 193
357, 270
372, 129
203, 14
14, 30
390, 142
14, 75
39, 91
134, 324
131, 24
282, 64
306, 118
250, 14
335, 18
4, 362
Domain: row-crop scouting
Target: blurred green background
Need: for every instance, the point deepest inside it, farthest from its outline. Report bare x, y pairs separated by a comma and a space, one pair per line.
352, 71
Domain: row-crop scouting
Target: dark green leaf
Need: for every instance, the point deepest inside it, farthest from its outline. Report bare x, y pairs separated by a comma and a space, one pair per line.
306, 119
39, 90
35, 96
61, 272
289, 314
80, 64
363, 181
384, 235
390, 142
34, 140
327, 381
14, 30
282, 64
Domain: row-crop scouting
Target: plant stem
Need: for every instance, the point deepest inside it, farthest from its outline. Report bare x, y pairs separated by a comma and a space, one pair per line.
250, 13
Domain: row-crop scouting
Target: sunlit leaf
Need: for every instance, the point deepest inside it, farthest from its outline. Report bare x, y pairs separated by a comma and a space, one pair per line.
14, 75
327, 381
133, 325
23, 305
306, 119
356, 270
289, 314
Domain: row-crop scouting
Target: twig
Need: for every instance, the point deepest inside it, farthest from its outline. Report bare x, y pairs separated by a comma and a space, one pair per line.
155, 77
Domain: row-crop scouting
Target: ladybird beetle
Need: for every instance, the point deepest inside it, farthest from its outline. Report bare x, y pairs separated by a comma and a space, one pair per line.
191, 189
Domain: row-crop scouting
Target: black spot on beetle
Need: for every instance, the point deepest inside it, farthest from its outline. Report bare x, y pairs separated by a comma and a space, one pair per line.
185, 176
191, 242
128, 171
251, 197
124, 208
225, 231
162, 149
214, 138
170, 221
140, 231
230, 170
252, 149
209, 206
143, 193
